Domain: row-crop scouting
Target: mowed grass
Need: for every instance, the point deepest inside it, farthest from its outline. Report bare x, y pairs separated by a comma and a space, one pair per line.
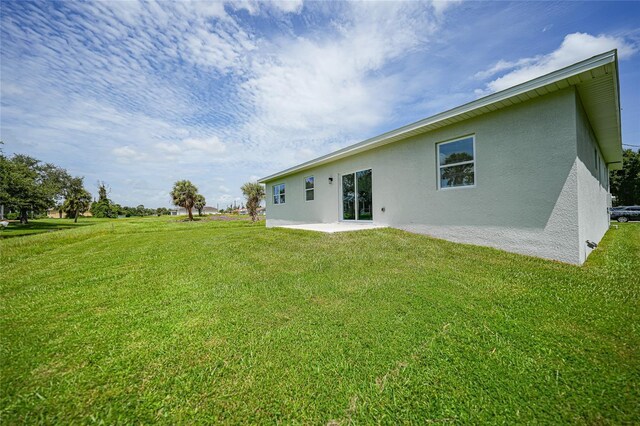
155, 320
39, 226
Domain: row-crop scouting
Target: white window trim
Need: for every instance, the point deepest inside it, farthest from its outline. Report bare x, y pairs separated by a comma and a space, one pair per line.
304, 188
273, 187
475, 158
341, 208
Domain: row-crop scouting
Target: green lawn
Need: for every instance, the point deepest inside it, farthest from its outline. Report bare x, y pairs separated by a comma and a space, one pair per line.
16, 229
155, 320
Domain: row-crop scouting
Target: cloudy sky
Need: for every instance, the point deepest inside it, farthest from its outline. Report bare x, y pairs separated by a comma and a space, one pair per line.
141, 94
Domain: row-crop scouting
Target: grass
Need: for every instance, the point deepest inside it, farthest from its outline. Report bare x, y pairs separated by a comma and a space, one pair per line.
16, 229
155, 320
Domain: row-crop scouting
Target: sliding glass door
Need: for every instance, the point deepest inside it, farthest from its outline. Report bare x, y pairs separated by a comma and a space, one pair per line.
357, 196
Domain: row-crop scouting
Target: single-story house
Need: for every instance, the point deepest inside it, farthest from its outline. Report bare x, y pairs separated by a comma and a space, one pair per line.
524, 170
181, 211
59, 214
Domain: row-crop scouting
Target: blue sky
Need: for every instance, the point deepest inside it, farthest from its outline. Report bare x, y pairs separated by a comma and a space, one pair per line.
141, 94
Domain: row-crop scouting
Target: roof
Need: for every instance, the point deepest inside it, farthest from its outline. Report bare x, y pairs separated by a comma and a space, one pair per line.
597, 83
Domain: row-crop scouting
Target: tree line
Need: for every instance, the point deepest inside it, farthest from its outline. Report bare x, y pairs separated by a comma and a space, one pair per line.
27, 184
185, 194
104, 207
625, 183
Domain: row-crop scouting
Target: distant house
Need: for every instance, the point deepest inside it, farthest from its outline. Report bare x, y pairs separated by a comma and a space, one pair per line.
181, 211
56, 214
209, 210
525, 169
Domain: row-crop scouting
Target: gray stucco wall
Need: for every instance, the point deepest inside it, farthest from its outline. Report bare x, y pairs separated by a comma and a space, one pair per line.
593, 185
526, 194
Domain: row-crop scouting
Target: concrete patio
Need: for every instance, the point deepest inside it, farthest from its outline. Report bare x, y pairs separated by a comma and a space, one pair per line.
331, 228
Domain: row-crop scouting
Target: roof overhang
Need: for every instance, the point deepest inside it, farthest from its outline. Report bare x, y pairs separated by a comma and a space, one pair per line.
596, 80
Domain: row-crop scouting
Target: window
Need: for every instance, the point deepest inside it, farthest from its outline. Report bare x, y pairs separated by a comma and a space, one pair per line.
278, 194
456, 163
309, 186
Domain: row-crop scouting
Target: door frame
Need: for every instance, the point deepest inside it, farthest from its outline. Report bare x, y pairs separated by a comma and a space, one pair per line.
355, 183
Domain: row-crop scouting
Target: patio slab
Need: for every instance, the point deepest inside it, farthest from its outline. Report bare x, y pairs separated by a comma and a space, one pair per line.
331, 228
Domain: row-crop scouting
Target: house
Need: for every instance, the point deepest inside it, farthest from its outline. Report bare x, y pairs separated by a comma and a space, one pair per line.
524, 170
208, 210
59, 214
181, 211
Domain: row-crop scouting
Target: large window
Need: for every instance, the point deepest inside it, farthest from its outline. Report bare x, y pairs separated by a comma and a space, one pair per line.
456, 163
357, 201
309, 188
278, 194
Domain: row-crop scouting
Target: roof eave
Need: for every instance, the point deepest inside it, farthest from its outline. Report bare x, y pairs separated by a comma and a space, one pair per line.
410, 129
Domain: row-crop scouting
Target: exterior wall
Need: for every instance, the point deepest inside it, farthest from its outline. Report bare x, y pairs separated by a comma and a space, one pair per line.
525, 199
54, 214
593, 185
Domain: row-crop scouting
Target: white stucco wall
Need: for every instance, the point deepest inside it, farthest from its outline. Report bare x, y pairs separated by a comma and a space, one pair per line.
526, 194
593, 185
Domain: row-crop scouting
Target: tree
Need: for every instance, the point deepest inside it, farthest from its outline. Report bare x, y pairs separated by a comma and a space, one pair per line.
458, 175
76, 199
200, 203
254, 193
27, 184
625, 183
104, 207
184, 195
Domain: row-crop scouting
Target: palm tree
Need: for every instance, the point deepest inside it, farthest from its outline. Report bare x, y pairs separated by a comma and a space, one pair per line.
200, 203
184, 195
77, 199
254, 192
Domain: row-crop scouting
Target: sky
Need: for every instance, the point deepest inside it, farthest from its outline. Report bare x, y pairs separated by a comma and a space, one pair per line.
142, 94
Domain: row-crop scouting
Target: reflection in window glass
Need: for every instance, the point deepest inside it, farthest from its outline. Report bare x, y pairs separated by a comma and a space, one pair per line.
309, 188
456, 163
348, 197
365, 204
278, 194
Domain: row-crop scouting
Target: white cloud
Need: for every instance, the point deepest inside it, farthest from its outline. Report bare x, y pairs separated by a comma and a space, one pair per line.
440, 6
574, 48
125, 152
224, 189
288, 6
175, 90
211, 145
309, 92
169, 148
503, 65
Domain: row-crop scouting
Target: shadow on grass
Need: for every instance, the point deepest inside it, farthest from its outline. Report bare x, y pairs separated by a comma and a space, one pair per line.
34, 227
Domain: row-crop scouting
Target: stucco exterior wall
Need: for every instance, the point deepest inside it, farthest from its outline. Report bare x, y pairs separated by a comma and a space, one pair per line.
593, 185
525, 199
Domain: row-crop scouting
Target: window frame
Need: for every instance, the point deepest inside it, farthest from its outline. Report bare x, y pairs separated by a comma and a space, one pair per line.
273, 194
439, 167
355, 188
305, 190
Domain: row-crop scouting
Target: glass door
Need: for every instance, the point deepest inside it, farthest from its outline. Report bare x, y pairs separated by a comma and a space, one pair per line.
357, 196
